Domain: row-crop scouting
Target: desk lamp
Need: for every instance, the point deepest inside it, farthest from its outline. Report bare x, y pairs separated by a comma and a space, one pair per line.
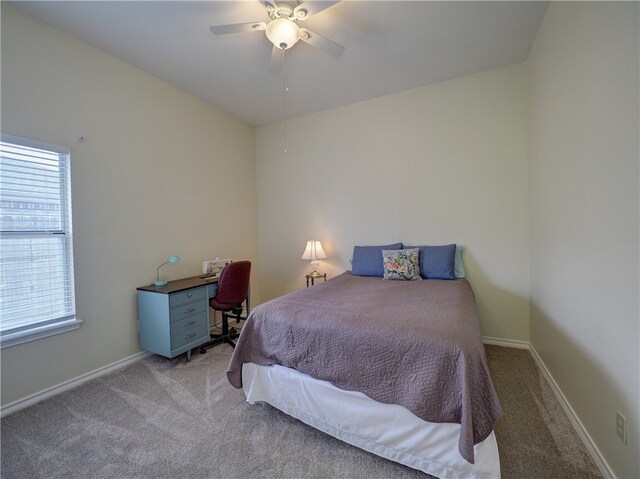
173, 259
314, 252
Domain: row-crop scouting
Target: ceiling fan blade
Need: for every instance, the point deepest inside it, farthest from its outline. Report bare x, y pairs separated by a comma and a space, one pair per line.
321, 43
277, 59
311, 7
237, 28
269, 5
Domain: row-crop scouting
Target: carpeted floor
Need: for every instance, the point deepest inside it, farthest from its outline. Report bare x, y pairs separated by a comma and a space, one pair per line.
535, 437
164, 418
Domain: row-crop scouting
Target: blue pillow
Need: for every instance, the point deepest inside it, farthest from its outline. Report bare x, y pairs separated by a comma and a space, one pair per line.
437, 262
367, 260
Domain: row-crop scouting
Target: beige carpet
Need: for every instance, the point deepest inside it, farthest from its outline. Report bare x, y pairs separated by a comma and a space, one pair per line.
535, 437
167, 419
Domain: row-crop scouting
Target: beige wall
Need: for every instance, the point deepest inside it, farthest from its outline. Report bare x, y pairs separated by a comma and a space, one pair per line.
160, 173
583, 83
445, 163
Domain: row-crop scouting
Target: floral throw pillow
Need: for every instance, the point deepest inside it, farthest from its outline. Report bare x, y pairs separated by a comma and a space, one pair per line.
401, 264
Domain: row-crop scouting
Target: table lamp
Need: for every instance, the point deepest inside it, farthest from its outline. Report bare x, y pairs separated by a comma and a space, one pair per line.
173, 259
314, 252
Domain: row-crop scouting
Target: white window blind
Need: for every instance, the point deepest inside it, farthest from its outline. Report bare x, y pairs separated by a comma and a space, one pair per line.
36, 248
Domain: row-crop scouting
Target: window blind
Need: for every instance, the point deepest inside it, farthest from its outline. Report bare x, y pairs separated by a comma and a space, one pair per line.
36, 255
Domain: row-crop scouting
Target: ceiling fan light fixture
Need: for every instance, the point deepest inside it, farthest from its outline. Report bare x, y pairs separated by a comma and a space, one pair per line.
283, 33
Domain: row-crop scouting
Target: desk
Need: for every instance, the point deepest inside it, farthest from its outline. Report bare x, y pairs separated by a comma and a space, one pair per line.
173, 319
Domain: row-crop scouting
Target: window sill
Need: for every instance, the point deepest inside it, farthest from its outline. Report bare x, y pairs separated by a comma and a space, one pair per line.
13, 339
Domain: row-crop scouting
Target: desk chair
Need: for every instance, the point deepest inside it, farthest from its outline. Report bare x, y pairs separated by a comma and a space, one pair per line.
233, 288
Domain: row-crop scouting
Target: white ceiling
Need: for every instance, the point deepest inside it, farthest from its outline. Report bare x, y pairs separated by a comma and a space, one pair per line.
390, 46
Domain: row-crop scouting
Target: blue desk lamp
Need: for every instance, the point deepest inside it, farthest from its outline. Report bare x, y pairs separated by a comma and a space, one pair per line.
173, 259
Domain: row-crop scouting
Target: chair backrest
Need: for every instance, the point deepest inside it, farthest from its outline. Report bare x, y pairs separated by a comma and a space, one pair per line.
233, 285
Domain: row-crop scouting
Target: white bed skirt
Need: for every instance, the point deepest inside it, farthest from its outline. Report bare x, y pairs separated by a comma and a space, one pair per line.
362, 422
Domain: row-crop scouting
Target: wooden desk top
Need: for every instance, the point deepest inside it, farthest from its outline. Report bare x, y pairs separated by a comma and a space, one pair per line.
179, 285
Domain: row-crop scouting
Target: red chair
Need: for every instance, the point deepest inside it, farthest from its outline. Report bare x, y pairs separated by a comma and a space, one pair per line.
233, 291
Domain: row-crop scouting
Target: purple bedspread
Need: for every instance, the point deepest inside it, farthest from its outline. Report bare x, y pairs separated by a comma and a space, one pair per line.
412, 343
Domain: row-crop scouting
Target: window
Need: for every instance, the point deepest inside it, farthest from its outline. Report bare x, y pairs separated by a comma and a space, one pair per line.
37, 296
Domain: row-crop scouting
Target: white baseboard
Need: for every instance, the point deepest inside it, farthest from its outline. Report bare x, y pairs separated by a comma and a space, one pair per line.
593, 450
507, 343
70, 384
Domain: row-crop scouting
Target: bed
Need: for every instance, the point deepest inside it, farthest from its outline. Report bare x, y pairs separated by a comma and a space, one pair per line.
397, 368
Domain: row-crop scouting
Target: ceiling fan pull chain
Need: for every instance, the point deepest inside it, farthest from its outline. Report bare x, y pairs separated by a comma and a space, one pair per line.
284, 97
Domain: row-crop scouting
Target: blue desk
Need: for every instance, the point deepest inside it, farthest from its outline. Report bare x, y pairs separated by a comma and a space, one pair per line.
173, 319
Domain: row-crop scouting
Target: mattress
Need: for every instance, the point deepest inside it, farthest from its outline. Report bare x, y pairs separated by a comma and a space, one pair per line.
387, 430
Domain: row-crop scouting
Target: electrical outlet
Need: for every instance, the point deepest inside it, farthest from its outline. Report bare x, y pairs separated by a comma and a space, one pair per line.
621, 426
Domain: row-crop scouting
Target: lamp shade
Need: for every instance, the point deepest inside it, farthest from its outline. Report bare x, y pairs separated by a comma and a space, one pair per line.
283, 33
313, 251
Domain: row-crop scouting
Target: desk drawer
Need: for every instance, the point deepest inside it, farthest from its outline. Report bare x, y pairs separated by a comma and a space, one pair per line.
189, 330
188, 324
189, 309
183, 297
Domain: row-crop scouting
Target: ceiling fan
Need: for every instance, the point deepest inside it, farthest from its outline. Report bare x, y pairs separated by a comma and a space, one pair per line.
283, 31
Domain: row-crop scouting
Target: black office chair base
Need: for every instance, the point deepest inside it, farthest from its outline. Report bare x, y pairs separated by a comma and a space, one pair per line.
217, 339
228, 334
